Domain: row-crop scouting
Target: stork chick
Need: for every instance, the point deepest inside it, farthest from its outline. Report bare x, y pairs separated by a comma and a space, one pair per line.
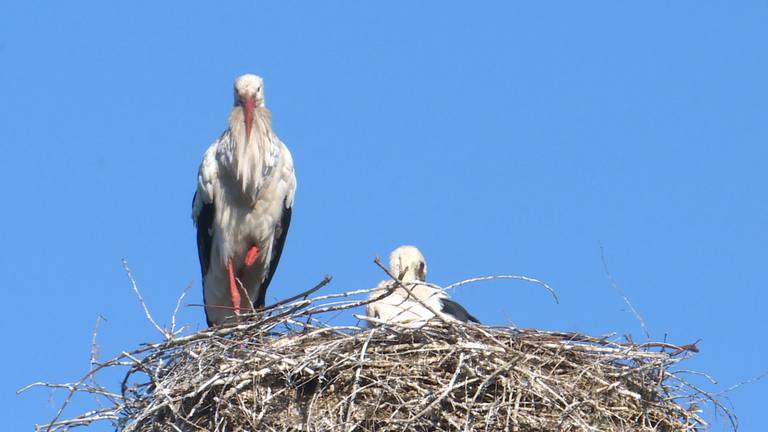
414, 306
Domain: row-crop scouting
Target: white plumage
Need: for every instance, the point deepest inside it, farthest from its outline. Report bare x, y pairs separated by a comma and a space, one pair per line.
242, 206
412, 309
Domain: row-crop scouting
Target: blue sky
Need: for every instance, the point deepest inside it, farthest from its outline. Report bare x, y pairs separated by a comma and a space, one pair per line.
499, 138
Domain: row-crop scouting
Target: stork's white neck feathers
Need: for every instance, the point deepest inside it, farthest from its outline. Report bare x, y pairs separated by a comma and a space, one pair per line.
250, 157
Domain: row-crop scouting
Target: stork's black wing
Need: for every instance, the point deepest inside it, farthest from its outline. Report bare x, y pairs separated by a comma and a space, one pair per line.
281, 232
457, 311
205, 235
204, 222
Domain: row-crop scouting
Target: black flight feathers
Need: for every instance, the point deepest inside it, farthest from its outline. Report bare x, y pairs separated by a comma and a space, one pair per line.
204, 235
457, 311
281, 232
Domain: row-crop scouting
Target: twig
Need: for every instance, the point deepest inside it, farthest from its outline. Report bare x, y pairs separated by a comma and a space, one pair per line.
745, 382
516, 277
302, 295
446, 391
176, 309
356, 384
621, 293
94, 347
148, 315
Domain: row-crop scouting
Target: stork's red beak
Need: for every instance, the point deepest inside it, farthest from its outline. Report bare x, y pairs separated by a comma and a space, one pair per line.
248, 105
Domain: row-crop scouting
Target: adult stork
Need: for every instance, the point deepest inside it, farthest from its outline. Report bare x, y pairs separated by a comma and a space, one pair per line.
413, 307
242, 207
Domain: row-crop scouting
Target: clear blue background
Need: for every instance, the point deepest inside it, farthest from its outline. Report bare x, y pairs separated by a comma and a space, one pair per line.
498, 137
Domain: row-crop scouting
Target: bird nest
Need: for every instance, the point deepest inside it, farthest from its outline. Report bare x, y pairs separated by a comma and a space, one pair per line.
287, 369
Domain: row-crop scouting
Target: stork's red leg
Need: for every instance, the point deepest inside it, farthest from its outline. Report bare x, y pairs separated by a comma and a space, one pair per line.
233, 291
251, 256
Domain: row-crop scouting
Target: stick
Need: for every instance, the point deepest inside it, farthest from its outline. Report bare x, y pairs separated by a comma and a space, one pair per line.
516, 277
621, 293
304, 294
141, 300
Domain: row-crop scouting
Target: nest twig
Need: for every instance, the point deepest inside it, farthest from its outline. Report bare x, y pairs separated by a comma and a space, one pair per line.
285, 369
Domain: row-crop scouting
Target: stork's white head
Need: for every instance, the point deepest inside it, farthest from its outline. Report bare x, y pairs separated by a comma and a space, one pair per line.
249, 95
408, 262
